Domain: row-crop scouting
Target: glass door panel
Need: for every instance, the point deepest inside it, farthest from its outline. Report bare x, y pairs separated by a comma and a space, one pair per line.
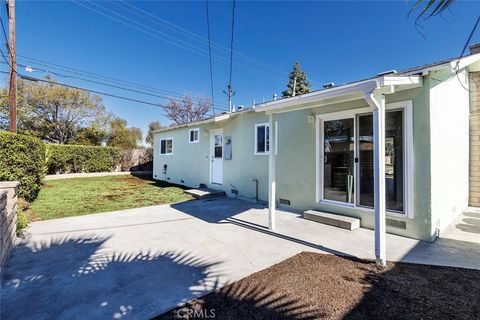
394, 164
338, 157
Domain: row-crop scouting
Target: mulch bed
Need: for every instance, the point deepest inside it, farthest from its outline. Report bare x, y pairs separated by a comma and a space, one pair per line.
317, 286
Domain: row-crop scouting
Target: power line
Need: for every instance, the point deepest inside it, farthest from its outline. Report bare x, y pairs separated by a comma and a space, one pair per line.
88, 90
463, 52
102, 77
93, 75
5, 34
231, 41
469, 39
200, 38
210, 56
183, 44
103, 83
230, 93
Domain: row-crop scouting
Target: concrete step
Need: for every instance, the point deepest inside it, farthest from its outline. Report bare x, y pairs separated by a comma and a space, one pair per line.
331, 219
205, 193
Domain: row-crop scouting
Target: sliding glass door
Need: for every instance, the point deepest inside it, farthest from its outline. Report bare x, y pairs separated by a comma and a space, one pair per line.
348, 160
394, 160
338, 167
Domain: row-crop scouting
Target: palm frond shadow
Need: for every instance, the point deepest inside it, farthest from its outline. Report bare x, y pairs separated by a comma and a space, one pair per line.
254, 302
53, 279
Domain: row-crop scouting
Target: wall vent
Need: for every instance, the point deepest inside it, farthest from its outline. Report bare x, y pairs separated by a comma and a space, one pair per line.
168, 178
284, 201
182, 181
396, 224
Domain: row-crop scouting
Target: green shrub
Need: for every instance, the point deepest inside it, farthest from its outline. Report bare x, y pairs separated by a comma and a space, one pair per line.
21, 223
22, 158
76, 158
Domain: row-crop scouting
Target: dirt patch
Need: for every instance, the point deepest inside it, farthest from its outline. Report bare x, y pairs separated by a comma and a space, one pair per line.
110, 197
316, 286
133, 180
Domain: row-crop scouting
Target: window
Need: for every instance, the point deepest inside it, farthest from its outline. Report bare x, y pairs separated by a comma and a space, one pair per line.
262, 138
166, 146
193, 135
345, 159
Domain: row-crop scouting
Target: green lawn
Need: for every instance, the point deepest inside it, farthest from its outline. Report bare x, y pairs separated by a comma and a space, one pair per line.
79, 196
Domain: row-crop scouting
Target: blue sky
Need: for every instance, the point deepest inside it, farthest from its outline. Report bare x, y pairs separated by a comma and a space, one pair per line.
334, 42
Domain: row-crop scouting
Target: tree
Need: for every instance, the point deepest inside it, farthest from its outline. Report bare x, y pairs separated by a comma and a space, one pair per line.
53, 113
90, 136
123, 137
187, 111
297, 79
153, 126
431, 8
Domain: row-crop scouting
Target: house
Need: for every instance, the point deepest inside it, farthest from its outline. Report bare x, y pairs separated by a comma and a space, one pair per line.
394, 150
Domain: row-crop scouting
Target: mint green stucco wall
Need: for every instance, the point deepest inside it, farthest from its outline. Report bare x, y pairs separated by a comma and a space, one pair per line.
296, 171
296, 159
191, 161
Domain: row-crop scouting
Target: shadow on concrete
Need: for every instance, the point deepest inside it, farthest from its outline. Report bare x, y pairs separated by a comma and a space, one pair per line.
224, 210
248, 225
215, 210
72, 278
471, 225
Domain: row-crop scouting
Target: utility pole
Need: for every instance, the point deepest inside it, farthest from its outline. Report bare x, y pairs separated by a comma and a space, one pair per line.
12, 92
230, 93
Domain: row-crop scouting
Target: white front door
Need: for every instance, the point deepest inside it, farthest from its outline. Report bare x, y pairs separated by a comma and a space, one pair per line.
216, 155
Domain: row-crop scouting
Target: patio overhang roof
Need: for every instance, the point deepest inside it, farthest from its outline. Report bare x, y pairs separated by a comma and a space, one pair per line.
373, 92
344, 93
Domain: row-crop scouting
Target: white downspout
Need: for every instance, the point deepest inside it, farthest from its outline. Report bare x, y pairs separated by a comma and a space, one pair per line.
377, 103
271, 174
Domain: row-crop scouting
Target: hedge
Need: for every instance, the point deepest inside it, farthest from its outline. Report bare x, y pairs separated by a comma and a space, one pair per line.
77, 158
22, 158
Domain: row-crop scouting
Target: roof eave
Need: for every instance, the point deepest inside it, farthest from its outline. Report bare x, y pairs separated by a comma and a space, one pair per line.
385, 84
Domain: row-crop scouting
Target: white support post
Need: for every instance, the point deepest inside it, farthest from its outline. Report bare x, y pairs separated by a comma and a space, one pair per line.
378, 105
271, 175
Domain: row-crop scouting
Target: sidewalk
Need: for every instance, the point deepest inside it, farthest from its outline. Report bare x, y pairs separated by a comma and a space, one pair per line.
93, 174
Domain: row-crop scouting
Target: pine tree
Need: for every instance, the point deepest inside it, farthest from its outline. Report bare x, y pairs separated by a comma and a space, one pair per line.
299, 79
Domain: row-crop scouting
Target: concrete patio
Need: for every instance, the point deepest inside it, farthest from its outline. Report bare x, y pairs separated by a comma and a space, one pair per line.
139, 263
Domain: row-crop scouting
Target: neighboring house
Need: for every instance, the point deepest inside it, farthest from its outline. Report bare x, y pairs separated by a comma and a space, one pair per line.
317, 150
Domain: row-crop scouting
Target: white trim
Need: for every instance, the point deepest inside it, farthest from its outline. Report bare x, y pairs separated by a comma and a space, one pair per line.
337, 203
276, 137
165, 154
272, 198
407, 106
198, 135
351, 91
266, 153
320, 164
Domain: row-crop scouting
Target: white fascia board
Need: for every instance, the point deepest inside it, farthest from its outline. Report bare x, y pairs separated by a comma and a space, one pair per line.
459, 64
359, 87
196, 123
400, 80
386, 84
184, 125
